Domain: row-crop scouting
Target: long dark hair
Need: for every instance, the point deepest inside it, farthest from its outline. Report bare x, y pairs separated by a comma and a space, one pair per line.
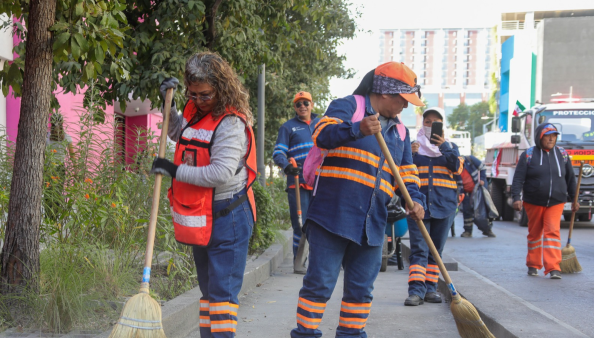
365, 85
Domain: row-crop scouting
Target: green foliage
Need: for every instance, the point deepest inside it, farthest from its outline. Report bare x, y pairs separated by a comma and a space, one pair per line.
272, 214
468, 118
126, 49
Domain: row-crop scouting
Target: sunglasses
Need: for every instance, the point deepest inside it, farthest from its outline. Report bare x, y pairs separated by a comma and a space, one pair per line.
201, 97
300, 103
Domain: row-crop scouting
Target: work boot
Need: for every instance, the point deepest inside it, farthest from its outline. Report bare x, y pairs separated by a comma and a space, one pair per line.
433, 297
413, 300
532, 272
466, 234
555, 274
489, 233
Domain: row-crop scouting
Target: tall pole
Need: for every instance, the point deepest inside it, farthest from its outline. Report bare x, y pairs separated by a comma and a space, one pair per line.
260, 129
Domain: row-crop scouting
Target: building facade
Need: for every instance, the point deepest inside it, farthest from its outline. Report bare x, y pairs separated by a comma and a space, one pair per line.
453, 65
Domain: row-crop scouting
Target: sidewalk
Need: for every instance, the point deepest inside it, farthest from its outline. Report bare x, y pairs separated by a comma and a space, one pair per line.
269, 311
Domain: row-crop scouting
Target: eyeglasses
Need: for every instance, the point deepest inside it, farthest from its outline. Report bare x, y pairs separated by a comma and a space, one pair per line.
201, 97
300, 103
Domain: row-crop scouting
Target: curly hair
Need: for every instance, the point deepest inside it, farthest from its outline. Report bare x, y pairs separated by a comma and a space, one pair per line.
209, 67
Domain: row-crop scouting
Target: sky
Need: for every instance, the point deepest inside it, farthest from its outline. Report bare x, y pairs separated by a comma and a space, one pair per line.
362, 52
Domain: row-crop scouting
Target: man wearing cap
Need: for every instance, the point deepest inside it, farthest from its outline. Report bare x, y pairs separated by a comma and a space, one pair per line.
346, 219
438, 162
294, 140
545, 177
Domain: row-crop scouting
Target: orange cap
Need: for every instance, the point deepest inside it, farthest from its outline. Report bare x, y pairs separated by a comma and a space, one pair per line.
407, 86
302, 95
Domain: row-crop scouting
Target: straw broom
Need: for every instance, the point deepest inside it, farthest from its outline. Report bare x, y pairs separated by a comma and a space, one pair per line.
467, 319
141, 316
569, 263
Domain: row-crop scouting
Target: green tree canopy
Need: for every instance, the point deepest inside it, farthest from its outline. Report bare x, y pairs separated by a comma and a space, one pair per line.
469, 118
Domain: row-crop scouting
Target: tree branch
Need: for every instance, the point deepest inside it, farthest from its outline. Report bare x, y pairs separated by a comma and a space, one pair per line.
212, 35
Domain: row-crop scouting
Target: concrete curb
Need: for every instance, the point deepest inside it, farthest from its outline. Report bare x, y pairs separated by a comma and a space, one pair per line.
180, 315
504, 314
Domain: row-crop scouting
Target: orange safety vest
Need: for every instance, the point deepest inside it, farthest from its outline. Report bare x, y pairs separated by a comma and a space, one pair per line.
192, 205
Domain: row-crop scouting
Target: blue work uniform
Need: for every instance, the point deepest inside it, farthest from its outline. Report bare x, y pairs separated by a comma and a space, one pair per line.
347, 216
295, 140
439, 186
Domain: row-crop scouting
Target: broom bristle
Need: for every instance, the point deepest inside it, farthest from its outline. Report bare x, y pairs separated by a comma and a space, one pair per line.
569, 263
141, 318
467, 319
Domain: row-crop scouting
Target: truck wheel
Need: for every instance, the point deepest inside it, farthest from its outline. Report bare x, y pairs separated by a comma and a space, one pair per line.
384, 253
524, 220
497, 195
508, 213
584, 217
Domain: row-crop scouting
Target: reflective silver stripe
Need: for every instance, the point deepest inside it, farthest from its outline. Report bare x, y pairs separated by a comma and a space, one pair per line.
188, 221
307, 322
199, 134
347, 322
204, 321
535, 247
311, 306
551, 247
530, 242
328, 171
184, 122
354, 308
551, 240
223, 308
223, 326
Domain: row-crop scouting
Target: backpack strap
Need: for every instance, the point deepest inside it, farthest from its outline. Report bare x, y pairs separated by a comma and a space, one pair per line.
359, 114
564, 153
529, 154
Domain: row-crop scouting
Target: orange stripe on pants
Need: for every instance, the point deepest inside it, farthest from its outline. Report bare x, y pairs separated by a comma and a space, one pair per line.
544, 221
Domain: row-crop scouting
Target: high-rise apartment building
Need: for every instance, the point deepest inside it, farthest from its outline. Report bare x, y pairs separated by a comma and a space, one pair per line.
453, 65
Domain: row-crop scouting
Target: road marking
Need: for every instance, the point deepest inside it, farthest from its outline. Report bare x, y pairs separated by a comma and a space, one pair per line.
520, 300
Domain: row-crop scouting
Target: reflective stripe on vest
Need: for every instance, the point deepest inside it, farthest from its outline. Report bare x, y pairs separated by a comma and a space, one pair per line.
191, 205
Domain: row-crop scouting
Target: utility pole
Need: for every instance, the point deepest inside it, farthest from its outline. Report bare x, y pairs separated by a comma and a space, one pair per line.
260, 128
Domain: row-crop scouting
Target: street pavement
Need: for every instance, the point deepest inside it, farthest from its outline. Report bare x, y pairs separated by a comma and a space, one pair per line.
269, 311
502, 261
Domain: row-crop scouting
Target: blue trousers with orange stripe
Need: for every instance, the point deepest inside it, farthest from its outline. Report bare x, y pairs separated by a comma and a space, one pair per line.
328, 253
423, 271
220, 268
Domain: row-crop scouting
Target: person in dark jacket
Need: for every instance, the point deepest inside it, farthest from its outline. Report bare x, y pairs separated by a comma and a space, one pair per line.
438, 161
545, 177
476, 169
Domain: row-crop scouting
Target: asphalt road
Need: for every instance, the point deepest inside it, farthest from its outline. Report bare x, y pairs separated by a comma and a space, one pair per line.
502, 260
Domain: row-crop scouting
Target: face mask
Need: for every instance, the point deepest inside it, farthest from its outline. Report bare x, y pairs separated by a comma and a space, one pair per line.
427, 131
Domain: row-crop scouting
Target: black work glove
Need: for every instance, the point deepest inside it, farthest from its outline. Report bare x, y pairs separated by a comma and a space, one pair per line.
170, 82
164, 167
291, 170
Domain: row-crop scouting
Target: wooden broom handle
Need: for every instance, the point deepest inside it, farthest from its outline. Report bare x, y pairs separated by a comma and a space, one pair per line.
158, 179
410, 204
298, 202
575, 201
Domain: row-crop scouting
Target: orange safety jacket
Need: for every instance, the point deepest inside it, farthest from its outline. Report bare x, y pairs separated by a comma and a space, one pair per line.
192, 205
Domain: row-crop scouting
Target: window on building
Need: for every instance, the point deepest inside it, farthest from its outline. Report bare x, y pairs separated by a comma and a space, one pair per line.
454, 50
455, 58
120, 137
424, 58
425, 50
466, 82
453, 81
455, 42
424, 82
467, 65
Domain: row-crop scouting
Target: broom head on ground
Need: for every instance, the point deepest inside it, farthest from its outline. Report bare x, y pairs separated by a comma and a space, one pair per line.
569, 262
141, 318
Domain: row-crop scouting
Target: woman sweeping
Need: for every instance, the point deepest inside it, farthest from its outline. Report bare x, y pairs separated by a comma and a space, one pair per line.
211, 197
545, 177
437, 161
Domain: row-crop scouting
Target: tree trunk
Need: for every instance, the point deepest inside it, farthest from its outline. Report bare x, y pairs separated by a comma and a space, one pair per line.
20, 254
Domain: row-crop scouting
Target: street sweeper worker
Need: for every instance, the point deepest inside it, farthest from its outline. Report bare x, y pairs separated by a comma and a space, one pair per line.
211, 196
346, 219
545, 177
475, 169
437, 161
295, 140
